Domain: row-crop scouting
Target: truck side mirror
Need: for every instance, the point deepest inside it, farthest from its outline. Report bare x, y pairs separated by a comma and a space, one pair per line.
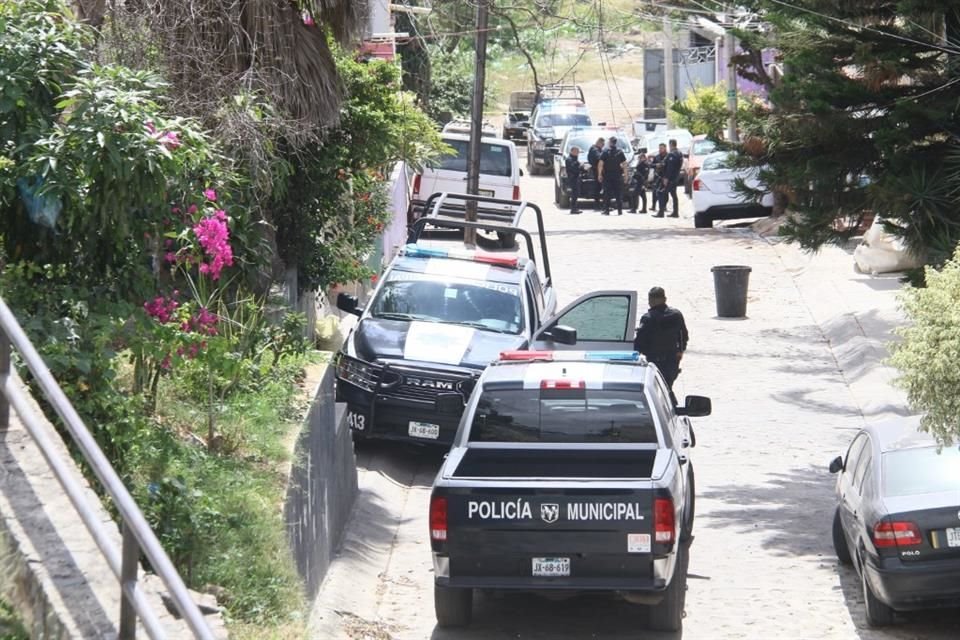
836, 465
563, 334
695, 407
348, 303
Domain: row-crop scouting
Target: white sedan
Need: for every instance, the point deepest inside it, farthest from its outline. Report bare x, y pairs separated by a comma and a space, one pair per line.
715, 196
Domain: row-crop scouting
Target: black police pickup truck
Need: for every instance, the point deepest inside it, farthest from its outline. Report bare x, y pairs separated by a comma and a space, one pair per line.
570, 472
440, 314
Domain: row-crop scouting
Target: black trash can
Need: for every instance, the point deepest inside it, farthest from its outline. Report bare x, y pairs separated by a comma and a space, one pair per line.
730, 283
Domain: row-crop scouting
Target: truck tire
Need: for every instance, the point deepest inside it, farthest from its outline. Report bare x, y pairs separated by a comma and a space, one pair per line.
668, 615
702, 221
840, 540
562, 197
454, 607
878, 613
686, 531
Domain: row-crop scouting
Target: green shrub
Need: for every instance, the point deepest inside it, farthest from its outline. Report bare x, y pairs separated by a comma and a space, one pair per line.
928, 355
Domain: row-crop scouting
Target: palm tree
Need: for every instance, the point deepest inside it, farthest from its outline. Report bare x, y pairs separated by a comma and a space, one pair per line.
213, 49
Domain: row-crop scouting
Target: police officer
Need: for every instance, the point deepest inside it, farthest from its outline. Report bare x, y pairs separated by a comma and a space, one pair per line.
573, 167
611, 175
658, 162
593, 158
662, 337
638, 183
671, 177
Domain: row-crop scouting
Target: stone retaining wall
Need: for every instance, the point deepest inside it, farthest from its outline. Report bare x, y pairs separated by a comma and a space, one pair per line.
323, 486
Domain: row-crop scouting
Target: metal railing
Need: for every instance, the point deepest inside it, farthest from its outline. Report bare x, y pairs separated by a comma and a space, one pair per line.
136, 533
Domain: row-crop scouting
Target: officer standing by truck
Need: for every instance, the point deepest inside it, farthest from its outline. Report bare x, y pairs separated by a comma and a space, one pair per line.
611, 175
573, 167
593, 159
662, 337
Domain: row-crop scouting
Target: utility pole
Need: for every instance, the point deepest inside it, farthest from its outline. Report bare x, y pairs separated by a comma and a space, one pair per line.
476, 119
729, 44
669, 92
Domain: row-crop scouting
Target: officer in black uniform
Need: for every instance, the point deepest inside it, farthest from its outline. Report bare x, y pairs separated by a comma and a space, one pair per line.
662, 337
573, 167
658, 162
593, 159
671, 178
638, 183
611, 175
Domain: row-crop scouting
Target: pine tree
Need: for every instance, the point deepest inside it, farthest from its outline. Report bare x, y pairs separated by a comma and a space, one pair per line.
865, 118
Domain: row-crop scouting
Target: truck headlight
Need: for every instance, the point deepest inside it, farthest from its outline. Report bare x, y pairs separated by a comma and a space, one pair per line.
539, 145
357, 372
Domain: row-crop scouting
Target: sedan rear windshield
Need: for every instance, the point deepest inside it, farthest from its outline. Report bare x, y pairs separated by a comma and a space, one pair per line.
923, 470
563, 415
495, 159
703, 147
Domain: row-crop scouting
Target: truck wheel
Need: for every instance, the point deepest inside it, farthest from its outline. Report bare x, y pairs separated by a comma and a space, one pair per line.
840, 540
878, 613
563, 198
454, 607
668, 615
686, 531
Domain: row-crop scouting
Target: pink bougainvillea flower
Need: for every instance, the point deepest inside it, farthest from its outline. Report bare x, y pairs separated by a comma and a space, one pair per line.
151, 129
175, 210
171, 140
192, 209
308, 19
220, 214
210, 195
165, 363
213, 234
161, 309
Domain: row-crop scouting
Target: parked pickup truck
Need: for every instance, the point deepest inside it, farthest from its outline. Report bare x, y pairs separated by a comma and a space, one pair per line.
570, 471
441, 313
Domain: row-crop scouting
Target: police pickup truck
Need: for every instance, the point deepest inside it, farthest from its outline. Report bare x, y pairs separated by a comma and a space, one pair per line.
570, 472
441, 313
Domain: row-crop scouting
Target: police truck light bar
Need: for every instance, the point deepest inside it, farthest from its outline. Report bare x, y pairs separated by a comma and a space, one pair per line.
416, 251
563, 356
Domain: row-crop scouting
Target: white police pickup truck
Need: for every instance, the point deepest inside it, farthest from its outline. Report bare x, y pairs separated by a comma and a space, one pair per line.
441, 313
570, 471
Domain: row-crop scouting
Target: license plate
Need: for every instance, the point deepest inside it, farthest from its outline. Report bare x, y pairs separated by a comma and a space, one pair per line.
487, 193
551, 567
953, 537
424, 430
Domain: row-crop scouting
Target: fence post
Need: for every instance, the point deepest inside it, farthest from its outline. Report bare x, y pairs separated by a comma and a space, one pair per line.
4, 376
129, 567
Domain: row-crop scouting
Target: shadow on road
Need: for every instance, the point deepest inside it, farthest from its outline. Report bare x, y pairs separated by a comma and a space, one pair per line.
405, 464
531, 617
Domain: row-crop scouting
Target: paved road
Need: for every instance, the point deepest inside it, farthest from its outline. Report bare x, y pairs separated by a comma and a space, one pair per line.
761, 564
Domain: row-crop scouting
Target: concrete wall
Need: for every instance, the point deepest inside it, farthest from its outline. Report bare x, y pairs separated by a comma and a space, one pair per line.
323, 486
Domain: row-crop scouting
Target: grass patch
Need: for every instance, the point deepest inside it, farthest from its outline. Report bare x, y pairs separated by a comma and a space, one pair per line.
11, 627
219, 513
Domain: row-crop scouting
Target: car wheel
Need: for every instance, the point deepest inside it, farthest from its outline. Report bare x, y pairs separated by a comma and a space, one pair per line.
686, 531
668, 614
702, 221
840, 540
454, 607
563, 198
878, 613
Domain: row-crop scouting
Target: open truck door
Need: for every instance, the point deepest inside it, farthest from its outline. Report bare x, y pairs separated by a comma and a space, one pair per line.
601, 320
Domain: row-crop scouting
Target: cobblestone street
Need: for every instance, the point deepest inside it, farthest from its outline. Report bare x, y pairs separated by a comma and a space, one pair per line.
790, 385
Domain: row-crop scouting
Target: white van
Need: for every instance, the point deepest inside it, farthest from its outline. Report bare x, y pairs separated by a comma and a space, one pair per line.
499, 172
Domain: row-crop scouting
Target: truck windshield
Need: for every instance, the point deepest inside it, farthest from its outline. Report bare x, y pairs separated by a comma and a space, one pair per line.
491, 306
563, 415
